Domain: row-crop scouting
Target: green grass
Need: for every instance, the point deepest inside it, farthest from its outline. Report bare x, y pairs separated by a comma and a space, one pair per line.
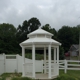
6, 75
71, 73
74, 58
9, 75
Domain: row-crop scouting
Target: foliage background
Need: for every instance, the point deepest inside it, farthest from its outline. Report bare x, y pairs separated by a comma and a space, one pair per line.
11, 37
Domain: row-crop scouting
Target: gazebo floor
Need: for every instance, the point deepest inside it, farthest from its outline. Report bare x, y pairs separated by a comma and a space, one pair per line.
41, 76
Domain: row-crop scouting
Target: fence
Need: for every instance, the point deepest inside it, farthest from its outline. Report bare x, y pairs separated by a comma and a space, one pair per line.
1, 64
13, 63
69, 65
65, 65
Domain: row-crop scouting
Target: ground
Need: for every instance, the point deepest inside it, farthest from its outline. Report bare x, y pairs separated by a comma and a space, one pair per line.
17, 76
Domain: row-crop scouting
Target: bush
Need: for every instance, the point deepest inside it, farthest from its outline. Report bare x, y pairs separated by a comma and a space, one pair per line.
65, 77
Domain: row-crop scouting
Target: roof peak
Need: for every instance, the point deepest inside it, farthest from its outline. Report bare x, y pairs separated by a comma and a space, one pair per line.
40, 31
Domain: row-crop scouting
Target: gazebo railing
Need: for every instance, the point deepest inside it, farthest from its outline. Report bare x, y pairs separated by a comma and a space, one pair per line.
28, 68
54, 68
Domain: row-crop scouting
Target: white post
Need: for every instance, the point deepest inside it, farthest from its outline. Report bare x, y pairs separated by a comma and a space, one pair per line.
49, 55
17, 62
23, 65
33, 59
54, 61
57, 60
42, 66
45, 60
54, 55
4, 63
79, 45
58, 54
65, 62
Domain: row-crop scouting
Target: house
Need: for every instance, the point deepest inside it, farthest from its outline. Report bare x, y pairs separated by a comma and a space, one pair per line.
74, 50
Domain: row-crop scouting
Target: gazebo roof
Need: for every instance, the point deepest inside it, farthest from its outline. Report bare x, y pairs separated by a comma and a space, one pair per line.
39, 31
39, 40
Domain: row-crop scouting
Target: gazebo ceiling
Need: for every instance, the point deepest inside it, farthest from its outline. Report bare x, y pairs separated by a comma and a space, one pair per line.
45, 38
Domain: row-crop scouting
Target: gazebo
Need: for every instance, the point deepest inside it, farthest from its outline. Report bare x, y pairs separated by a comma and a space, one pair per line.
41, 39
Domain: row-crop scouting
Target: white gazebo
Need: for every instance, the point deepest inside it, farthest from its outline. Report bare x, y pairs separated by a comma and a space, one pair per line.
42, 39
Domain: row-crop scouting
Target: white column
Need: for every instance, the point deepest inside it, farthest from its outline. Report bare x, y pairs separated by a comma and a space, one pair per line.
54, 69
44, 60
33, 59
54, 55
49, 55
23, 65
57, 54
57, 60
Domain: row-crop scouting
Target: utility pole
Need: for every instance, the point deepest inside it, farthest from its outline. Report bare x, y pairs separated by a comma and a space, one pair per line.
79, 45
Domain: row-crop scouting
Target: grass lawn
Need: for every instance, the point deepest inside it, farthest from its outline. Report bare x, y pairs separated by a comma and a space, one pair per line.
70, 73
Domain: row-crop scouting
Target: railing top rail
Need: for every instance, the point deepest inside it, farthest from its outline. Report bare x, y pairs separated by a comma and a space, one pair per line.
73, 61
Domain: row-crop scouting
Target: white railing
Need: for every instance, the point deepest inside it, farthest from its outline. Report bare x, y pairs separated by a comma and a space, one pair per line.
69, 65
54, 67
28, 68
64, 64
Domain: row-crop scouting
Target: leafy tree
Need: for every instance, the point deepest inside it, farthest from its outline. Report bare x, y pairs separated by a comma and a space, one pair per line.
76, 31
61, 53
22, 31
48, 28
7, 38
26, 28
66, 37
33, 24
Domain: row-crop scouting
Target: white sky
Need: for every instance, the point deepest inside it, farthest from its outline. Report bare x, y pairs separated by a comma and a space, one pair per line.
54, 12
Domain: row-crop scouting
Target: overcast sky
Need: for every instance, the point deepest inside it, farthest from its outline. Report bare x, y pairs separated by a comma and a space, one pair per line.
54, 12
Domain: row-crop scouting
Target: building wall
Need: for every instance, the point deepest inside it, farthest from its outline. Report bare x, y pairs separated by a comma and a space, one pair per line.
73, 53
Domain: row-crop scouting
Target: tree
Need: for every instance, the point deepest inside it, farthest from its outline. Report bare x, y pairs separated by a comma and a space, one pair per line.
48, 28
33, 24
7, 38
76, 31
27, 27
61, 53
22, 31
66, 37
